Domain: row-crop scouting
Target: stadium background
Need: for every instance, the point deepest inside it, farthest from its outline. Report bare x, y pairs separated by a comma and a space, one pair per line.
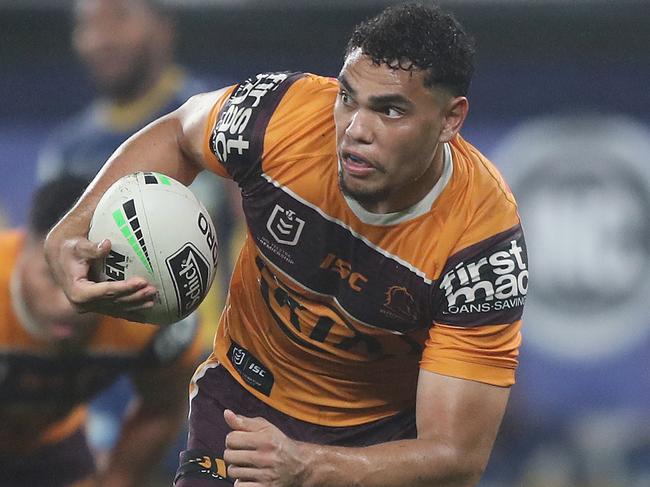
560, 102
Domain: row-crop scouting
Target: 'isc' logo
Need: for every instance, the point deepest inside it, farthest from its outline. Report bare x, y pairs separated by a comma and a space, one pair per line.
344, 269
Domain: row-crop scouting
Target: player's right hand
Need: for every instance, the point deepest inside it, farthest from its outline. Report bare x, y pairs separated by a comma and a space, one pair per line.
70, 260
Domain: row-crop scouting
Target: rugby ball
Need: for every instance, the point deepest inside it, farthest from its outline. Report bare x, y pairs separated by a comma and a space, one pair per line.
159, 231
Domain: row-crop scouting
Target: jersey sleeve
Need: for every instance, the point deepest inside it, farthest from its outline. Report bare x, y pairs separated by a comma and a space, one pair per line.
479, 299
212, 161
257, 121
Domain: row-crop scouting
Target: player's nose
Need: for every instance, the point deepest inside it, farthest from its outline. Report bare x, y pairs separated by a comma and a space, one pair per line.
359, 127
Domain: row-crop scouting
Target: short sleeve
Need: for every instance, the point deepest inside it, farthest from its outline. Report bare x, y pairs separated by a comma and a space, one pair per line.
234, 138
487, 354
480, 299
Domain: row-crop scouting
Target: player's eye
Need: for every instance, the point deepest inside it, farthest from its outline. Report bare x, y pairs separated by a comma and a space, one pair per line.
392, 112
345, 97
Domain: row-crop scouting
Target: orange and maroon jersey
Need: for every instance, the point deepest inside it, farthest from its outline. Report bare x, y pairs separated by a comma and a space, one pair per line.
332, 310
43, 394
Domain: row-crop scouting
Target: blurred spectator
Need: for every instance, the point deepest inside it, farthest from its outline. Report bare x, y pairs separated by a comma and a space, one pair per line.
127, 48
54, 360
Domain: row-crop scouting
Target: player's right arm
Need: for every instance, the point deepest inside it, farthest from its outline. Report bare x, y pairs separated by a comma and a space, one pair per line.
172, 145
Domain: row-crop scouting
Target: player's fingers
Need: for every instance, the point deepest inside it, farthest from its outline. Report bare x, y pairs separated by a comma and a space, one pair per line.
84, 249
243, 423
232, 419
135, 302
118, 289
141, 296
245, 483
242, 440
244, 474
240, 458
87, 295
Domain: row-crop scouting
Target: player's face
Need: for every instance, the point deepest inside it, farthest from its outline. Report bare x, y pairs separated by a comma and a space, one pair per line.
46, 303
389, 130
121, 42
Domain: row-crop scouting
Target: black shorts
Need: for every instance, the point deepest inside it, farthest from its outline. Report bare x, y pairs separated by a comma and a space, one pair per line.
56, 465
201, 465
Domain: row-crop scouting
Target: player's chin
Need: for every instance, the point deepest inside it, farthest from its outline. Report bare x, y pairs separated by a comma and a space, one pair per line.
361, 190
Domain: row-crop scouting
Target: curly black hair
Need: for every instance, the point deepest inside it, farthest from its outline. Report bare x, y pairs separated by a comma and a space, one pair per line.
416, 36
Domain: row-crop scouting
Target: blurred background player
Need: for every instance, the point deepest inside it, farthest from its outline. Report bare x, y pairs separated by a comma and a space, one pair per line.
127, 48
53, 360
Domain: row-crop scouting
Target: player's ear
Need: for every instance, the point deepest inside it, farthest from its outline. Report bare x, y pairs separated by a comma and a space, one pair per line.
454, 114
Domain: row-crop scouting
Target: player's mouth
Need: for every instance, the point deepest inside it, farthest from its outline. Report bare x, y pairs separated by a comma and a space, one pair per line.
355, 165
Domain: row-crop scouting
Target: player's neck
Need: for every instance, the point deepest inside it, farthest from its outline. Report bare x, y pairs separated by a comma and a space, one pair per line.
418, 209
403, 198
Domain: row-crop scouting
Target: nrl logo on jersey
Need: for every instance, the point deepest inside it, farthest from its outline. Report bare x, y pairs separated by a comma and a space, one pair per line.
496, 280
285, 226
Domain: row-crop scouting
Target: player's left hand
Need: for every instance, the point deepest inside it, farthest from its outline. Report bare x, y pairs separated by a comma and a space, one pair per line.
259, 455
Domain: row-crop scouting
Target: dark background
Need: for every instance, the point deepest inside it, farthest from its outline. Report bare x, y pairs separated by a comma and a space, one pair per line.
532, 57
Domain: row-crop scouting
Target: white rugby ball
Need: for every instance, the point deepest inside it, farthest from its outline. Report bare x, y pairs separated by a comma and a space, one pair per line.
159, 231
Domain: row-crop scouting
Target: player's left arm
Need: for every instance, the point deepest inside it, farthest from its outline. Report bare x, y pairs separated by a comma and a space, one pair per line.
152, 424
457, 423
159, 408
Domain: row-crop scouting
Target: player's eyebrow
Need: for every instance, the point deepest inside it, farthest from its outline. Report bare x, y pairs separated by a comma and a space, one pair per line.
380, 100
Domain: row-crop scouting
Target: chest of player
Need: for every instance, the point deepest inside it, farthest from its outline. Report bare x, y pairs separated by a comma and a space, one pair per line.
308, 253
